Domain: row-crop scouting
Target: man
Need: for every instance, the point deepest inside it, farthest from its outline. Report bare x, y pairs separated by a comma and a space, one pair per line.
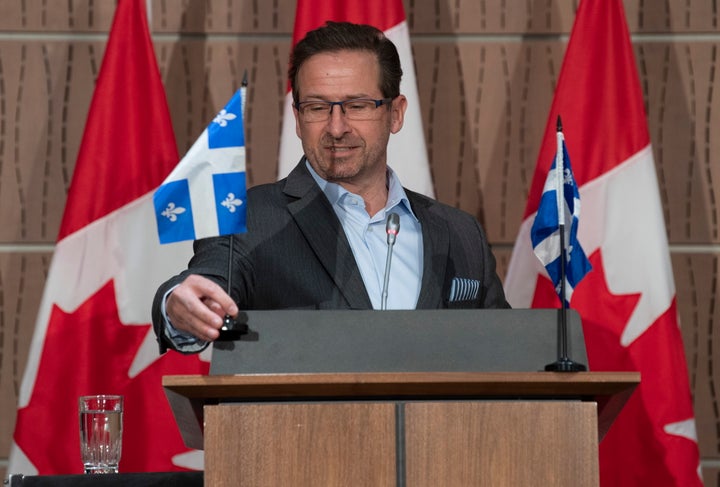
317, 238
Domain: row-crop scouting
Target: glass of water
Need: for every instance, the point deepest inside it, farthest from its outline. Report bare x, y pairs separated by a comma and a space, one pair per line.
101, 432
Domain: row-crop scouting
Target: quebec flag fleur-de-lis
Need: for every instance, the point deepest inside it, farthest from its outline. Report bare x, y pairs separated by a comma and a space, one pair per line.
172, 212
223, 117
231, 202
205, 195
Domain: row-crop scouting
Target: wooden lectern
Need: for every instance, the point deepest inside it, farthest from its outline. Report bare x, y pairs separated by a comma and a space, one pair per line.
398, 428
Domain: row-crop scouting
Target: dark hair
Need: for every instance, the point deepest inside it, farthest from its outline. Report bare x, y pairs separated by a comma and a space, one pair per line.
339, 36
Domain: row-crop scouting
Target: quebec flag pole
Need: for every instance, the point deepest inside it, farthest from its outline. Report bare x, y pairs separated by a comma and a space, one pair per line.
560, 201
209, 180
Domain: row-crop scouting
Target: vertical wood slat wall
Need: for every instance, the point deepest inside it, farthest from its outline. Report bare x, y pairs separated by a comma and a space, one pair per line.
486, 72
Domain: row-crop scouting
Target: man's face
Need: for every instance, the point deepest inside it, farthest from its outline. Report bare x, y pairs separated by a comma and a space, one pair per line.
349, 152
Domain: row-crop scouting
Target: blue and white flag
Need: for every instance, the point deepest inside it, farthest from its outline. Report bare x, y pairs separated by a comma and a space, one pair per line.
555, 212
205, 195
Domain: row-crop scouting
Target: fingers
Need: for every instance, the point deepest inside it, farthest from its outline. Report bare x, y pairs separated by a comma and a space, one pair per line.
197, 306
214, 306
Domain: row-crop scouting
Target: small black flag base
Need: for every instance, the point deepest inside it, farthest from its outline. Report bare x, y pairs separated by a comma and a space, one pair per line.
565, 365
232, 330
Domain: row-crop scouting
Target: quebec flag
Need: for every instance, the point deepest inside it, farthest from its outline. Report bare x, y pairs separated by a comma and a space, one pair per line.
545, 232
205, 195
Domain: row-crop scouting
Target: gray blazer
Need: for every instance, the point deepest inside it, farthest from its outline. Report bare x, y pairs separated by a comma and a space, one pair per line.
295, 255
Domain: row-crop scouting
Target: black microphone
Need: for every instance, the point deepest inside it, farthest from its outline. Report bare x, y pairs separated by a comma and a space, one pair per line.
392, 227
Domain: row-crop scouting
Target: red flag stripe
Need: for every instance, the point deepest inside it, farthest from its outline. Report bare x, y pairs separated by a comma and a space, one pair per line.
590, 97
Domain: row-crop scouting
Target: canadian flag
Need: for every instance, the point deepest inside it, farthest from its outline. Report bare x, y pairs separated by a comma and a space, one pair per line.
93, 333
406, 151
627, 302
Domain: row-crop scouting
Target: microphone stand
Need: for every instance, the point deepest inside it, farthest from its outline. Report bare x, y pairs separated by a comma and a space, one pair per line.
563, 363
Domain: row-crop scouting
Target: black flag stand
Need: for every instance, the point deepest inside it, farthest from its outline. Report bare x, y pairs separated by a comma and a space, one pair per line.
231, 329
563, 363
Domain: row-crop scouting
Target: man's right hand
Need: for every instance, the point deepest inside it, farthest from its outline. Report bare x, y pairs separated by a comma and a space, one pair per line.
198, 306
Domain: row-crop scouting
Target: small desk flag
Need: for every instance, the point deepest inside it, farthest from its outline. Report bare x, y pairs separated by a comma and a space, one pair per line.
205, 195
545, 232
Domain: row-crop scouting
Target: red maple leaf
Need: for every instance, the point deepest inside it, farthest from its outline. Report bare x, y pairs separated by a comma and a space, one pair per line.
636, 449
90, 351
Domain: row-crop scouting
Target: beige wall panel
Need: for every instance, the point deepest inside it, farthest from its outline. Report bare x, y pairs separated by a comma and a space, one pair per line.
696, 277
167, 16
267, 16
527, 75
46, 93
485, 108
711, 476
489, 16
553, 16
672, 16
442, 98
267, 68
194, 16
201, 77
681, 84
69, 15
424, 16
22, 276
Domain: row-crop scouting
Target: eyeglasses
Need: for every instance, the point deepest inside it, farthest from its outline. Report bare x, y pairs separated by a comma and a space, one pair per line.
357, 109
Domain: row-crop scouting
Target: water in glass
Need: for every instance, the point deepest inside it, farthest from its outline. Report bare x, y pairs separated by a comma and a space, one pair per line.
100, 435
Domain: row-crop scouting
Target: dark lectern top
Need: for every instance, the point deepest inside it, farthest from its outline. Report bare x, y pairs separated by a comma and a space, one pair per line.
332, 341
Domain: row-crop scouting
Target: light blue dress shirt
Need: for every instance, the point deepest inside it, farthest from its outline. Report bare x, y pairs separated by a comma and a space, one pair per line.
368, 241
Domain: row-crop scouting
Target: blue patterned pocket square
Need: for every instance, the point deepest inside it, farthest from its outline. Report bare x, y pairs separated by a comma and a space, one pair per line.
463, 289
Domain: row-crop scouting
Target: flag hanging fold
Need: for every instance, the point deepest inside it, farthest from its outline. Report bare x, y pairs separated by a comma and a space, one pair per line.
555, 214
407, 154
209, 181
627, 302
92, 333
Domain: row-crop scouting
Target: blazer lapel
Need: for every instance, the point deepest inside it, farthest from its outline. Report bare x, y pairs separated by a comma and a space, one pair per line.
436, 248
319, 224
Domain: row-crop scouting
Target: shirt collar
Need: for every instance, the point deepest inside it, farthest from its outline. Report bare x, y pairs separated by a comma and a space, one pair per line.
334, 192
